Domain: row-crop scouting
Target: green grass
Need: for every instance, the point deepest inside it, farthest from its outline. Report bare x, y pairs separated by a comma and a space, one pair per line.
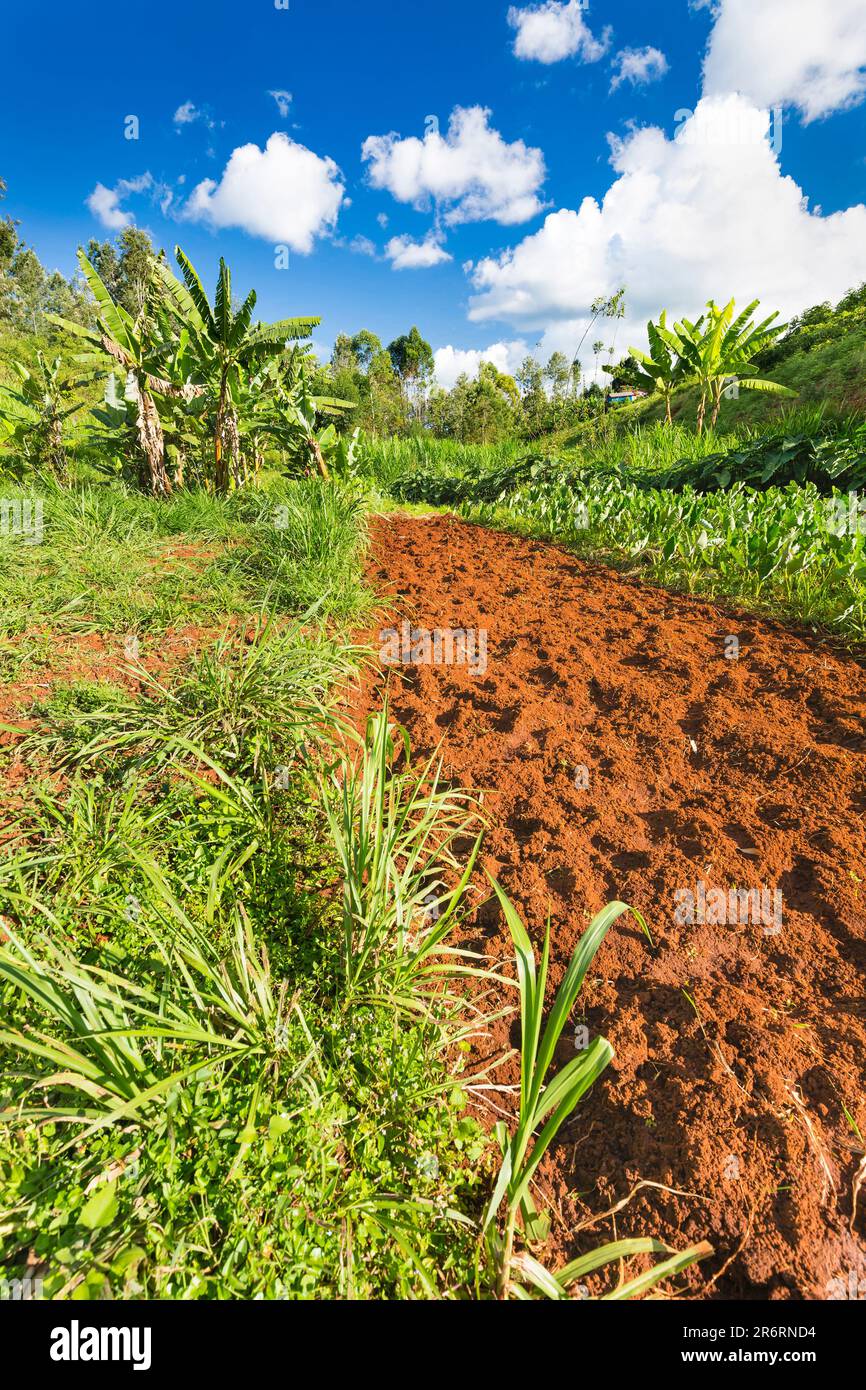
305, 546
106, 562
189, 1111
387, 460
546, 1102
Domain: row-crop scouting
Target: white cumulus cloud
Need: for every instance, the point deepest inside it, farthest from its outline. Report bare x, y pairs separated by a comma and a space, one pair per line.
638, 66
451, 363
406, 254
284, 193
687, 219
557, 29
105, 203
472, 174
808, 54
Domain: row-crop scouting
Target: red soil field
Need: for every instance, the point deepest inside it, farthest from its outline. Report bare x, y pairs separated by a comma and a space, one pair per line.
739, 1045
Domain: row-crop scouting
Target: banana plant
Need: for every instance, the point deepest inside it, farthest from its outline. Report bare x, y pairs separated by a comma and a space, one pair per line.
223, 345
718, 348
33, 415
135, 346
545, 1104
292, 416
117, 415
662, 370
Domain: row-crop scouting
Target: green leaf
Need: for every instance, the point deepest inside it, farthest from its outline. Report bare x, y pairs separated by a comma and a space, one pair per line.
183, 302
116, 321
101, 1208
196, 290
653, 1276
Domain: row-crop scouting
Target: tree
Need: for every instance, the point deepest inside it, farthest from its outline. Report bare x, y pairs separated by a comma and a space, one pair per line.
854, 299
344, 357
412, 356
412, 359
290, 413
33, 415
129, 343
222, 344
612, 307
104, 257
661, 370
530, 379
8, 243
366, 347
137, 269
493, 400
126, 268
386, 398
719, 348
557, 374
29, 283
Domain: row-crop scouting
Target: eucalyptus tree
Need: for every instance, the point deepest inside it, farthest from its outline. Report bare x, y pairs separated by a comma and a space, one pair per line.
366, 346
222, 346
126, 268
412, 359
608, 307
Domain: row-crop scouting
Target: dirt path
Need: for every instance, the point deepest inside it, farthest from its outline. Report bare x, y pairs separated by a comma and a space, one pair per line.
622, 754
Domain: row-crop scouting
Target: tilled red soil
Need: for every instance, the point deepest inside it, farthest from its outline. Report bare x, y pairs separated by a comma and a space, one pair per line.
739, 1047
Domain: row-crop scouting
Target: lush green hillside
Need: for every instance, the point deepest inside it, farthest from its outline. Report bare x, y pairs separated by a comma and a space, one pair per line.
824, 363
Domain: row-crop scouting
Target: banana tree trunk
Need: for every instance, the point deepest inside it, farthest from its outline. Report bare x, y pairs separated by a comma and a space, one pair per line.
151, 441
318, 458
226, 448
702, 411
56, 450
232, 438
222, 442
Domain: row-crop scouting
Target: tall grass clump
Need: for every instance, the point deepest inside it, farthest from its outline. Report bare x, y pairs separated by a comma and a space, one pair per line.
546, 1102
395, 829
386, 461
244, 703
305, 546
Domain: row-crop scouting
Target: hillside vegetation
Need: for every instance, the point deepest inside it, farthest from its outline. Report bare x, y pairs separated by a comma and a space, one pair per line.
823, 362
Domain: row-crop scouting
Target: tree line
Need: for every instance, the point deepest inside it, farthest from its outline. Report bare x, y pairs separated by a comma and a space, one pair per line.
194, 391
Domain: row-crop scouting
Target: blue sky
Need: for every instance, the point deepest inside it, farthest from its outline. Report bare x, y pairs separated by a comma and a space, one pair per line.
501, 196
